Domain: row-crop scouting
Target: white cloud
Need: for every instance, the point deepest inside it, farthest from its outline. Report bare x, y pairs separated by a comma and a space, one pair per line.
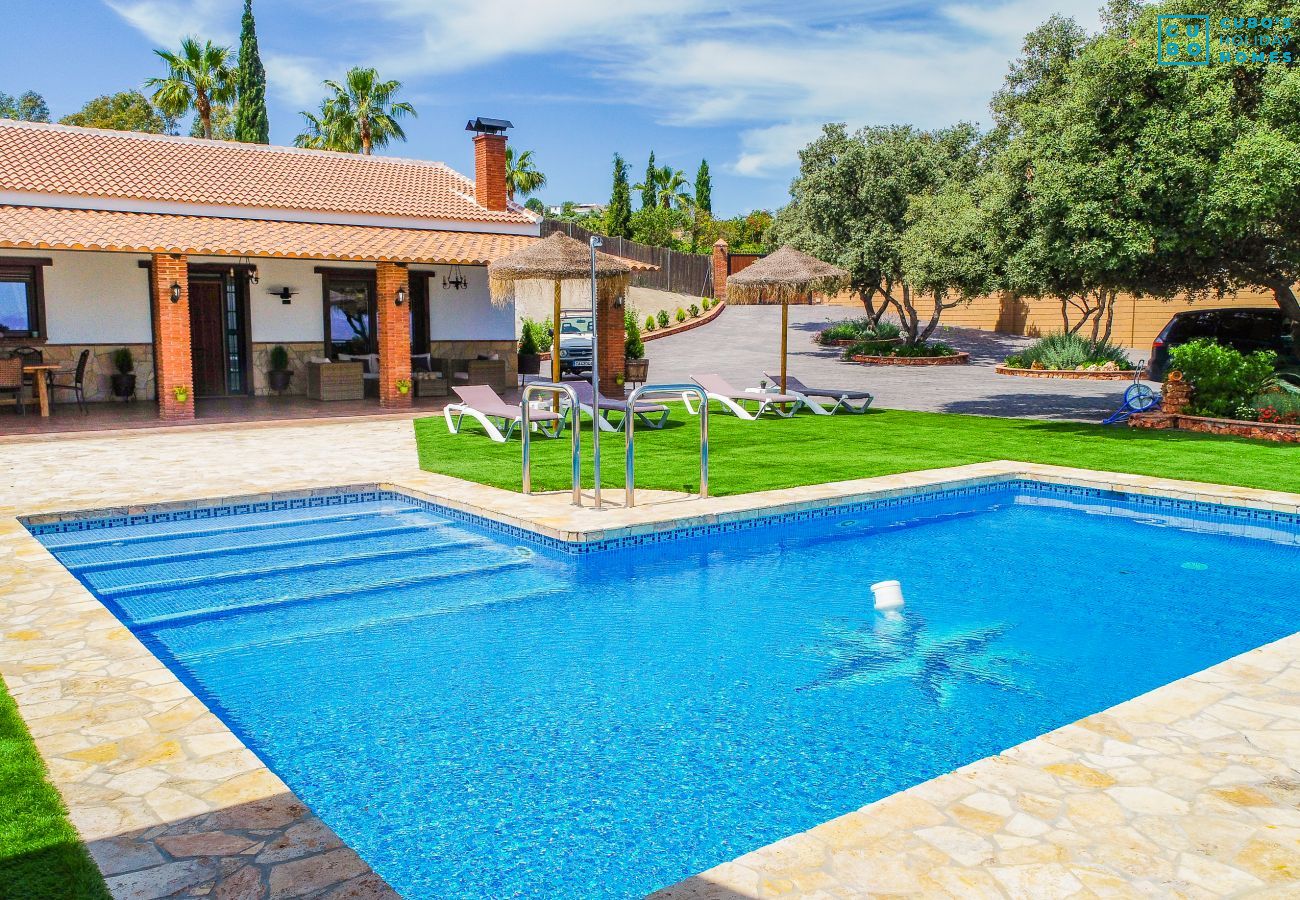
773, 71
167, 21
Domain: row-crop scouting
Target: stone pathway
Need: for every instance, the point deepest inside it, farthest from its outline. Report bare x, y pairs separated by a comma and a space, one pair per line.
745, 341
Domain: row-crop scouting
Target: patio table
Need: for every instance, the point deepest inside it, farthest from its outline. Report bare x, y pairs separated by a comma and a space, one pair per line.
40, 373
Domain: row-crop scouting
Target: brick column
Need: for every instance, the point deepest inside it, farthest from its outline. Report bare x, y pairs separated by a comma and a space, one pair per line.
490, 171
171, 336
613, 336
394, 332
720, 251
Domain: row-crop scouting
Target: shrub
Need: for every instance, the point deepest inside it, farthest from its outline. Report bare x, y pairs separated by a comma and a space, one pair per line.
1069, 351
859, 330
681, 314
632, 346
1222, 379
279, 358
662, 318
649, 323
874, 347
694, 311
528, 343
705, 303
123, 360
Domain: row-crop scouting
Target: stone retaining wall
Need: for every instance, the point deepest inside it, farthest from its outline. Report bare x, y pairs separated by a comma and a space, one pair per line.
1075, 374
957, 359
1262, 431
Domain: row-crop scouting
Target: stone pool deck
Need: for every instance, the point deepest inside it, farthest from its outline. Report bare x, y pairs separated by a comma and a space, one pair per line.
1191, 790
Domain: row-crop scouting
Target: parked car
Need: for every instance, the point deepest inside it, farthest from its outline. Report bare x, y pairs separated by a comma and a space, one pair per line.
575, 344
1243, 329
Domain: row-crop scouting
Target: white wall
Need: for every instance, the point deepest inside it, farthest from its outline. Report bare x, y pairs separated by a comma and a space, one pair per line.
467, 314
94, 298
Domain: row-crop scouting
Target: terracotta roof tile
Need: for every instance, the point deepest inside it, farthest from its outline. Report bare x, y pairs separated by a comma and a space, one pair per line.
89, 162
43, 228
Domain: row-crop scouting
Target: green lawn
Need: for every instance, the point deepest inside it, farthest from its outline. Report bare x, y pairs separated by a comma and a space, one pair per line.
779, 453
40, 854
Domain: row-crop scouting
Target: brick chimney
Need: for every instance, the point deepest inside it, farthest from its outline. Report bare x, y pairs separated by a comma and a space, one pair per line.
489, 161
490, 170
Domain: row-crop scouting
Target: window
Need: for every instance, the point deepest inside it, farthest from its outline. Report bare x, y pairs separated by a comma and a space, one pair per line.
20, 300
349, 314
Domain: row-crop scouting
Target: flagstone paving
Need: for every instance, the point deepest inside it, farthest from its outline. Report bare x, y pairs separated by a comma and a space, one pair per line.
1192, 790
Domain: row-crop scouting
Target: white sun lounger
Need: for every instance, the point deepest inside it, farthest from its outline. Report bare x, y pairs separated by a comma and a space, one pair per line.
849, 401
482, 404
645, 412
721, 391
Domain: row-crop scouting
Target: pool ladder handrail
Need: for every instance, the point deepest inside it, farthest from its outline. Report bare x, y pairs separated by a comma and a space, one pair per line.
629, 431
575, 426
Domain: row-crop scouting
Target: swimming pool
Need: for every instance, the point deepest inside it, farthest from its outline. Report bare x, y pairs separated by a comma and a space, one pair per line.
480, 713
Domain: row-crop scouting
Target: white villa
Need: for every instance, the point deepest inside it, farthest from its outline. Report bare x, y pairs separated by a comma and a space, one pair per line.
200, 256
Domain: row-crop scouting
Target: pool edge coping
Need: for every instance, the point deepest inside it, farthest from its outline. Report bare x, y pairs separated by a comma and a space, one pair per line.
257, 784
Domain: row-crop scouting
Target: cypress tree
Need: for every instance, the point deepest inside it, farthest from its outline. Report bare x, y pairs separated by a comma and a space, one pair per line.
618, 217
251, 123
704, 188
648, 192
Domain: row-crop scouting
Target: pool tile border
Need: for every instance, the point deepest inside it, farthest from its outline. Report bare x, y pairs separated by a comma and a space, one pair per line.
85, 683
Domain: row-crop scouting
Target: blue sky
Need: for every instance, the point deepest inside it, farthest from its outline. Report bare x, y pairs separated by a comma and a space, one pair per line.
743, 84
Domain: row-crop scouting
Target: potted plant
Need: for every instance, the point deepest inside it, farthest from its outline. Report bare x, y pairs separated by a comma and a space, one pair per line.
279, 375
530, 355
124, 378
403, 386
635, 365
182, 393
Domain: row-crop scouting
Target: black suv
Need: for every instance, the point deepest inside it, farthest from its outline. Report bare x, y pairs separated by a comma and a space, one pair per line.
1246, 330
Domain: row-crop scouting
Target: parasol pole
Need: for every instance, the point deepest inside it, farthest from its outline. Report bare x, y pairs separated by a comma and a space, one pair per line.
555, 346
595, 377
785, 329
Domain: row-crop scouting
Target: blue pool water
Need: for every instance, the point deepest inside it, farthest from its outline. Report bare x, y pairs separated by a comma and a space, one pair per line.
484, 716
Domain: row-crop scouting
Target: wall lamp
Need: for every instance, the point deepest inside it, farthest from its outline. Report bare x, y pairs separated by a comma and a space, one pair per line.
176, 292
285, 293
400, 297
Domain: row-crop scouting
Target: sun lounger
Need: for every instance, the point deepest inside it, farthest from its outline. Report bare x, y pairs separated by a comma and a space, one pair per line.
721, 391
849, 401
653, 415
482, 404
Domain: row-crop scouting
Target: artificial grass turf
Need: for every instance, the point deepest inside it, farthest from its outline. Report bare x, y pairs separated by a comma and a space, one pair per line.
40, 853
780, 453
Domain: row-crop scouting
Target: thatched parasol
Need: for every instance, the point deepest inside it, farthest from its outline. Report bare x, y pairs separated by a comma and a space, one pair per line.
786, 276
559, 258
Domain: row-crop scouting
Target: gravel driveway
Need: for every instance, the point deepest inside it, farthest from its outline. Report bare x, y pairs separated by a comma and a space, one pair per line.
744, 341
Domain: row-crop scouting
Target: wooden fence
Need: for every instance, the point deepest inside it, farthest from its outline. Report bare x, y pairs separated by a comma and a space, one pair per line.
682, 273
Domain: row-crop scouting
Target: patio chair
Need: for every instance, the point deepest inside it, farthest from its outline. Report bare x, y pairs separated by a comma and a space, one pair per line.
482, 404
78, 384
644, 412
11, 382
721, 391
850, 401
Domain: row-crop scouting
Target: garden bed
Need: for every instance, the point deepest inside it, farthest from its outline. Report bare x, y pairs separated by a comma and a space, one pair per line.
952, 359
1077, 374
703, 318
1261, 431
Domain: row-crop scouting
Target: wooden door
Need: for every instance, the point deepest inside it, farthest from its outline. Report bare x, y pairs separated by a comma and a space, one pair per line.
208, 337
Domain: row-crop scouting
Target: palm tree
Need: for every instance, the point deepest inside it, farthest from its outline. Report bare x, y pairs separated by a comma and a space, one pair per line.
672, 188
320, 132
362, 111
522, 176
198, 77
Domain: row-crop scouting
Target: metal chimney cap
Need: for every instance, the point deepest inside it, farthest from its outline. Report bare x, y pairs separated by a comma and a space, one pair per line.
488, 126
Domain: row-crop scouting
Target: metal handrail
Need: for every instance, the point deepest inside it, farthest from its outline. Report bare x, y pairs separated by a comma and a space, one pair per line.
629, 429
575, 425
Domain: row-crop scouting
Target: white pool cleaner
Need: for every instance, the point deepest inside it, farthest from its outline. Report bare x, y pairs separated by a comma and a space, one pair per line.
888, 594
